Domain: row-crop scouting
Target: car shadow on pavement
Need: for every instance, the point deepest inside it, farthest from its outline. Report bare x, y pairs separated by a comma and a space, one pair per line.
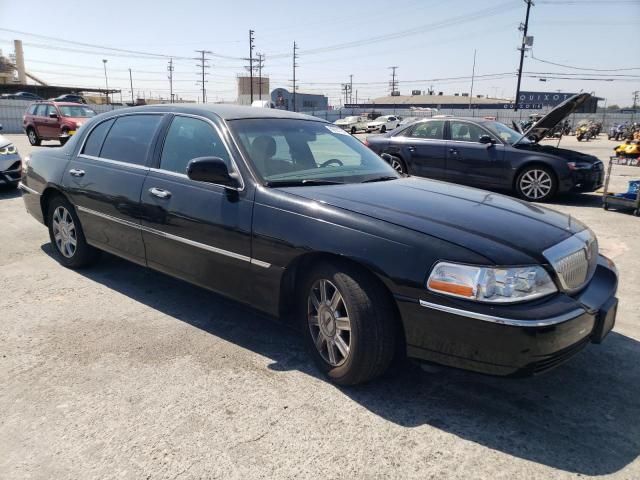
583, 417
577, 200
8, 192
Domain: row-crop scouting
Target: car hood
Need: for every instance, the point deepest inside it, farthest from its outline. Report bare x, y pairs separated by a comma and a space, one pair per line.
540, 128
343, 122
504, 230
569, 155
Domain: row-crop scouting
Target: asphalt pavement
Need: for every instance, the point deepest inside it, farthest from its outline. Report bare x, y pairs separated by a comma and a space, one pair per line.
118, 371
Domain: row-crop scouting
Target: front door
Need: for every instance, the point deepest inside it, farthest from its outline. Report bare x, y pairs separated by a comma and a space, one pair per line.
197, 231
105, 179
470, 162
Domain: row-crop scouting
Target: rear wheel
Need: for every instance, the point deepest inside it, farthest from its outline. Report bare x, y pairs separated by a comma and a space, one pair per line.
33, 137
65, 137
67, 237
353, 130
348, 323
536, 184
383, 129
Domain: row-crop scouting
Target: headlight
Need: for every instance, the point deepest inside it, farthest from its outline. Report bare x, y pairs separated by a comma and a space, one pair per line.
579, 165
490, 284
8, 149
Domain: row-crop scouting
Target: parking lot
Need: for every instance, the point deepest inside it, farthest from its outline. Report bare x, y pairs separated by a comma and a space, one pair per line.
118, 371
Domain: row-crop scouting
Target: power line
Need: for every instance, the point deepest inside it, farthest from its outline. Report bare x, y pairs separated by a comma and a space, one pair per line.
571, 67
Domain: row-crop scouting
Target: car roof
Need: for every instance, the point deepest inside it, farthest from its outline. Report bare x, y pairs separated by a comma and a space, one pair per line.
450, 117
224, 111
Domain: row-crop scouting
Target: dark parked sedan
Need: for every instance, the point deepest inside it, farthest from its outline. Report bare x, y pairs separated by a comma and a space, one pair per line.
488, 154
297, 218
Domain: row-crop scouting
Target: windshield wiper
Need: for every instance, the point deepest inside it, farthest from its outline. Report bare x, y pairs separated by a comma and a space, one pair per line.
301, 183
380, 179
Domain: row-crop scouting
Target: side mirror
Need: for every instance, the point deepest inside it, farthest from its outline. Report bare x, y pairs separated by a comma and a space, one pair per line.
386, 157
0, 126
487, 140
53, 115
211, 170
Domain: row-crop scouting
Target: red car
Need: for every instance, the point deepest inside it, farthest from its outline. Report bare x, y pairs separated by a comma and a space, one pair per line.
54, 120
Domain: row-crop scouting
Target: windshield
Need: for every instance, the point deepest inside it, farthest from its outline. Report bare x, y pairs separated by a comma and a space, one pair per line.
287, 150
76, 111
351, 119
505, 133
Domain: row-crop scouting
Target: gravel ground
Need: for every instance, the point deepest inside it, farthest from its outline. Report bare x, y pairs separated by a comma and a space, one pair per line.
122, 372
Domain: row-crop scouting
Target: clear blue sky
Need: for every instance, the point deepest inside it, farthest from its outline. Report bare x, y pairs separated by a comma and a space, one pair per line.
426, 39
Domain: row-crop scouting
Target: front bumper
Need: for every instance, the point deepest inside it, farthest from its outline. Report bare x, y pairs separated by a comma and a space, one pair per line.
10, 169
588, 180
515, 339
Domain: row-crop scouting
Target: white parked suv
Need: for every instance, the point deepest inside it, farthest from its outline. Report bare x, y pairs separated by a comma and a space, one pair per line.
352, 124
384, 123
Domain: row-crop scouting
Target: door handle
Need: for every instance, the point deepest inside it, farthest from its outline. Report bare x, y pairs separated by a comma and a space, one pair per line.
158, 192
453, 151
412, 149
76, 173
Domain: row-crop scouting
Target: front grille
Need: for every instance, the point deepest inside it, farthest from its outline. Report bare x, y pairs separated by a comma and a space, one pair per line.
574, 260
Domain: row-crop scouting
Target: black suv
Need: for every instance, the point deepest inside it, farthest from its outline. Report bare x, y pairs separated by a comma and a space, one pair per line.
488, 154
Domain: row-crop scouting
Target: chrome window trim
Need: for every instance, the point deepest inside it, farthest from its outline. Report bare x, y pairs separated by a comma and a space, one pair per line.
222, 139
545, 322
22, 186
176, 238
114, 162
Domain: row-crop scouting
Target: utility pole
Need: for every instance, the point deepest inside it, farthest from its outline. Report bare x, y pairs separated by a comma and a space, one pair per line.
260, 64
106, 80
351, 88
525, 29
131, 84
170, 70
251, 32
473, 74
394, 82
202, 65
295, 65
635, 94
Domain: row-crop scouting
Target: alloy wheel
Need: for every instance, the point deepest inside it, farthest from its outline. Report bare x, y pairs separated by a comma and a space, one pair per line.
64, 232
329, 322
397, 165
536, 184
32, 137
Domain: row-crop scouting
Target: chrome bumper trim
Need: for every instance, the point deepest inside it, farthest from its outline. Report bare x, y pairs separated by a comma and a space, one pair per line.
545, 322
22, 186
176, 238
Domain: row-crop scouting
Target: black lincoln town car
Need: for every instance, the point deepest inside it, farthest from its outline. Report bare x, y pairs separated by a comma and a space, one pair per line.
297, 218
488, 154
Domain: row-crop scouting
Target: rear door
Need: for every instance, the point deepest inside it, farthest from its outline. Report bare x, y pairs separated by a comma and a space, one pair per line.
194, 230
40, 120
422, 147
105, 179
470, 162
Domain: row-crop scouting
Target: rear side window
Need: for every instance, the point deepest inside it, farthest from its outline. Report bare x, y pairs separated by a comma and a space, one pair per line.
96, 138
429, 130
190, 138
41, 110
130, 138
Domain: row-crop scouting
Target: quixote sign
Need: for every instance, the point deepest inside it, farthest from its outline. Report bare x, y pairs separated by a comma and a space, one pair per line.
546, 99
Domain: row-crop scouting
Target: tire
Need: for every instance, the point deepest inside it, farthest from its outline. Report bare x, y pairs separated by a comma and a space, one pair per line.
33, 137
353, 130
65, 139
62, 235
398, 165
360, 330
383, 129
536, 184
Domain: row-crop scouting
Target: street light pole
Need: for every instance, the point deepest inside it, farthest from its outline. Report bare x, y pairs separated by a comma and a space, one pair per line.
106, 79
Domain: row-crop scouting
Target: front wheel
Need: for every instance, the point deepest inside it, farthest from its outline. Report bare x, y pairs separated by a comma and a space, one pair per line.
383, 129
353, 130
398, 165
67, 237
348, 323
536, 184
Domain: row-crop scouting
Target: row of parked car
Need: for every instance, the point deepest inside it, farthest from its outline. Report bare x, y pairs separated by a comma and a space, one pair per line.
32, 97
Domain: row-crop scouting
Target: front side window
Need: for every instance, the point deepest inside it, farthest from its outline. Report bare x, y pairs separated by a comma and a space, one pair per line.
466, 132
130, 138
288, 150
506, 134
432, 130
190, 138
51, 109
96, 138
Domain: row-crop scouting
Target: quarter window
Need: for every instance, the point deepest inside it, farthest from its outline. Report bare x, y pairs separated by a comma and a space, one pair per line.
130, 138
32, 109
190, 138
432, 130
96, 138
466, 132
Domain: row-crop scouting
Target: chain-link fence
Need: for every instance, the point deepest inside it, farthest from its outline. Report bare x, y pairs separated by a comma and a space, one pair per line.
11, 112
